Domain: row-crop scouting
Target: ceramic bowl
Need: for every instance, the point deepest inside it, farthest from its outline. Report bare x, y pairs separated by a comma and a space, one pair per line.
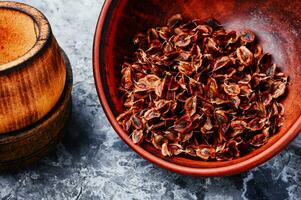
277, 25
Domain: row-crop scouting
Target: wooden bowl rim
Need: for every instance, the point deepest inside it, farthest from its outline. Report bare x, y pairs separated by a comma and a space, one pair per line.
41, 42
235, 168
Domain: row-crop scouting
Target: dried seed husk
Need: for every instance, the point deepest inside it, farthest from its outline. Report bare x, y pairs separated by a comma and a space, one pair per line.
258, 51
238, 127
151, 114
174, 20
171, 136
222, 62
186, 137
213, 23
279, 89
232, 89
127, 77
192, 87
245, 56
221, 117
183, 125
157, 141
260, 139
256, 124
205, 152
247, 36
211, 88
208, 125
191, 106
186, 68
137, 122
210, 45
195, 88
245, 90
205, 30
137, 136
163, 32
182, 40
165, 150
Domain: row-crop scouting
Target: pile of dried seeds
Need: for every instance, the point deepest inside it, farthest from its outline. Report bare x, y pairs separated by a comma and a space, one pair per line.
193, 88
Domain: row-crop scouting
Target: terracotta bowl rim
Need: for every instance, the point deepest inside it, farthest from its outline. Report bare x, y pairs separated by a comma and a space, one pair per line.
41, 41
235, 168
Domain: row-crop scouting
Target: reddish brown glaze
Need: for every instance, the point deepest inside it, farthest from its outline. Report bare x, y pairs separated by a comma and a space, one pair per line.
276, 23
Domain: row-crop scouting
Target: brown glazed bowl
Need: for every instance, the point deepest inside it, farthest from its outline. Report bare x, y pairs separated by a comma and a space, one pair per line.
277, 24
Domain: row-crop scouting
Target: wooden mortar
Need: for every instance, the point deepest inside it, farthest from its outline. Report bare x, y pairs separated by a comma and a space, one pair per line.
35, 87
32, 68
24, 147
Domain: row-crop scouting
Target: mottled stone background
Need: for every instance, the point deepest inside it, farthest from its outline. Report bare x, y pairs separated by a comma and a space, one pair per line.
93, 163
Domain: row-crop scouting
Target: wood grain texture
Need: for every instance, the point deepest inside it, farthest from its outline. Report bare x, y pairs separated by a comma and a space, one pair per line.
30, 85
15, 40
24, 147
277, 25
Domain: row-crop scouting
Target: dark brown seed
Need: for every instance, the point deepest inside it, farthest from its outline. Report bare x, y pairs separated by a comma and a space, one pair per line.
236, 101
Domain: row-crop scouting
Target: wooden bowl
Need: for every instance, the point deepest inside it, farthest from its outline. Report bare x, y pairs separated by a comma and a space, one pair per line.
278, 25
24, 147
32, 68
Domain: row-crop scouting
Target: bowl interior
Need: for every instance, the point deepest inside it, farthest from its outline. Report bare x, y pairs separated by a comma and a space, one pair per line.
18, 34
277, 25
